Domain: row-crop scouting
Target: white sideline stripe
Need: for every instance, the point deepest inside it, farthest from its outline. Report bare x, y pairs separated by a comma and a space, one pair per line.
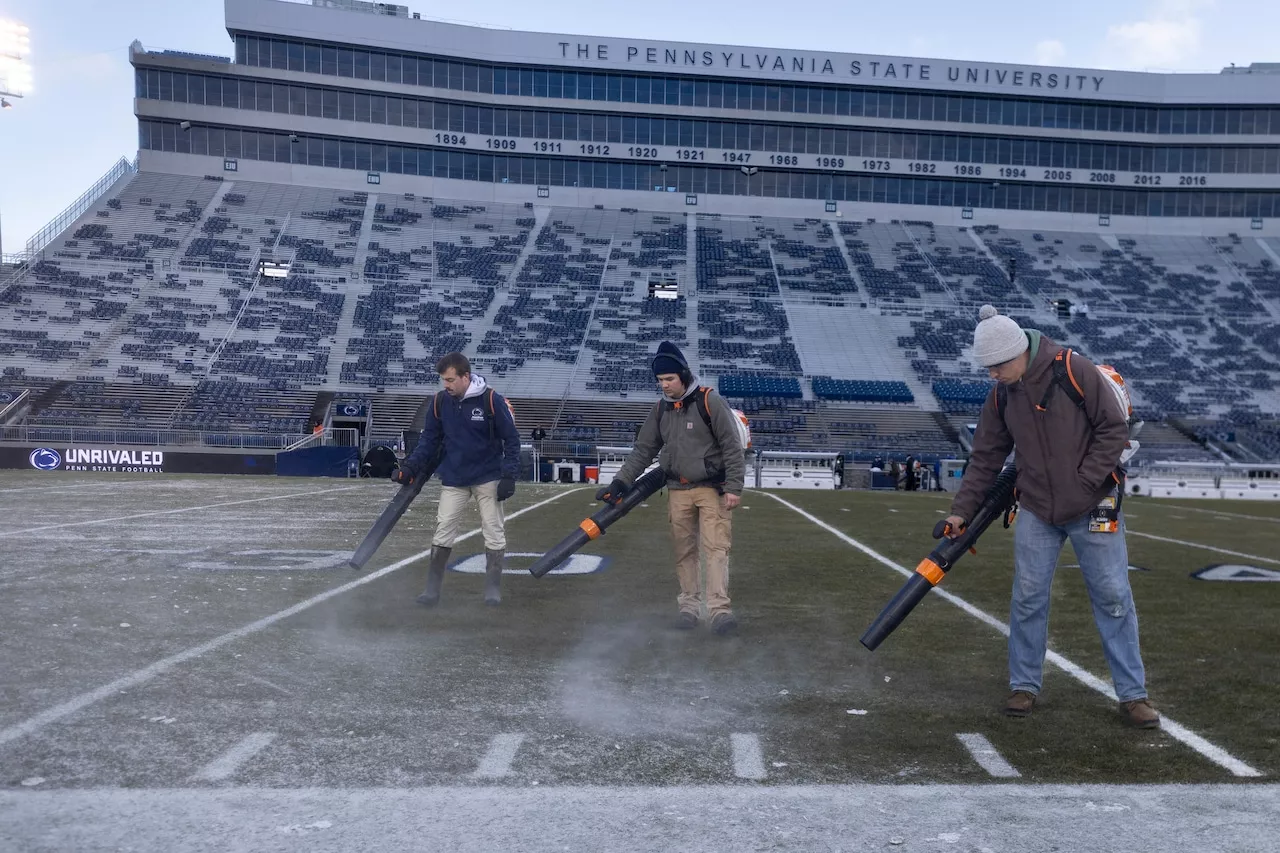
1173, 507
175, 511
1203, 547
987, 757
497, 761
225, 765
1216, 754
748, 760
142, 676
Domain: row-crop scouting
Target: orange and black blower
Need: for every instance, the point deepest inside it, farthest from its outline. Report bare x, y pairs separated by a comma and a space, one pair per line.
595, 526
1000, 501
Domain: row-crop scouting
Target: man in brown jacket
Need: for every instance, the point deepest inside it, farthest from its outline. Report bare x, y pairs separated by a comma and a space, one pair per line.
694, 435
1068, 431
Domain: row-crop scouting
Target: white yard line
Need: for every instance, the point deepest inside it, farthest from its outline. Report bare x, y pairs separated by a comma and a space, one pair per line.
496, 763
988, 758
1172, 507
748, 759
225, 766
1132, 532
141, 676
175, 511
1176, 731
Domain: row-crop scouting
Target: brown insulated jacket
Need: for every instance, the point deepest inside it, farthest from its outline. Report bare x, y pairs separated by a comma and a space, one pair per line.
689, 453
1065, 454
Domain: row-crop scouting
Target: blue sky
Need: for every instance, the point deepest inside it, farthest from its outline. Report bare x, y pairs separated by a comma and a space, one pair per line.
78, 119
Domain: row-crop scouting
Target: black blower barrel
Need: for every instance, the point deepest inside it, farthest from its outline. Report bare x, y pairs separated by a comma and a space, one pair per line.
387, 520
999, 499
595, 526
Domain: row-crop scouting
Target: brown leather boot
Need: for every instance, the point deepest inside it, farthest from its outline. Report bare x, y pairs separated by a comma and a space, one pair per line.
1141, 713
1019, 704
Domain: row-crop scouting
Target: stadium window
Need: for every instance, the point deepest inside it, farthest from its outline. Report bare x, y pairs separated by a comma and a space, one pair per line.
568, 85
627, 89
613, 88
347, 106
364, 156
346, 62
195, 88
377, 67
361, 61
295, 52
425, 72
297, 97
329, 61
377, 109
279, 98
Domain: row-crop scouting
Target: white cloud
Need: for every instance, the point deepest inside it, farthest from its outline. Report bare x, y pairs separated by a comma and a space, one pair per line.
1050, 52
1169, 37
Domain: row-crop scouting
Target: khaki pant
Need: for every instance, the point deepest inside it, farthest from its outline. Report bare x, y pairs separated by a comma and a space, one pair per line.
453, 505
698, 517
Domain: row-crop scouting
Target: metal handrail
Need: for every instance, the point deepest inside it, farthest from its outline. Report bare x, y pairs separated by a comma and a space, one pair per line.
76, 209
13, 404
144, 437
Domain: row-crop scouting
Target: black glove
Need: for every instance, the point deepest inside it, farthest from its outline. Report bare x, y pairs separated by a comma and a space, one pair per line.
613, 492
506, 488
403, 475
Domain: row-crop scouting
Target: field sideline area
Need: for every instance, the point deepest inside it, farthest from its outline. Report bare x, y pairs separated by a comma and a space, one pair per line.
190, 665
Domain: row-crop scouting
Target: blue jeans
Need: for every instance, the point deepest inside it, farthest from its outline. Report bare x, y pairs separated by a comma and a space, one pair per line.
1104, 563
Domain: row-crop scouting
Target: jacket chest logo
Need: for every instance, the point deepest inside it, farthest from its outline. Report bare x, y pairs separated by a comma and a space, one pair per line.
688, 425
477, 414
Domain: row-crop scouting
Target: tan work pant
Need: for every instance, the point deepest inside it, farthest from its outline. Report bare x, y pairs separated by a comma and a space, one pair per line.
453, 505
698, 517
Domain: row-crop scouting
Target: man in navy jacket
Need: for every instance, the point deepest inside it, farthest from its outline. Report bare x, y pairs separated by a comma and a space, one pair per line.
472, 428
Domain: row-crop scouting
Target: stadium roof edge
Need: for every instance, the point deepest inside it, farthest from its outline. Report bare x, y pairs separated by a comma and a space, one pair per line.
286, 18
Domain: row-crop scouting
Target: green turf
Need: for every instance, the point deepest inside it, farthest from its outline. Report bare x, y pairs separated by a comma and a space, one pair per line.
368, 688
1208, 646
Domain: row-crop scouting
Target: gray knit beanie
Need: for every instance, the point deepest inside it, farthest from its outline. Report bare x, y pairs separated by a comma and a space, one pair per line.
997, 339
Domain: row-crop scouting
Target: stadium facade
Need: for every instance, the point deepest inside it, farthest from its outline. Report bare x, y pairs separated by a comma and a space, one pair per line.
331, 96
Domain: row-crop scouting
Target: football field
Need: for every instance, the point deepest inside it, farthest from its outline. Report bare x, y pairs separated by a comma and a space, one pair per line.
189, 664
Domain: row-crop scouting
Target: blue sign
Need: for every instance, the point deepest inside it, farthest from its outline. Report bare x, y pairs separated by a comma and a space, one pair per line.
45, 459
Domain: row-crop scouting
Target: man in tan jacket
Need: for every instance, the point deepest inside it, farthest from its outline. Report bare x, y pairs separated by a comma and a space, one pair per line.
1051, 408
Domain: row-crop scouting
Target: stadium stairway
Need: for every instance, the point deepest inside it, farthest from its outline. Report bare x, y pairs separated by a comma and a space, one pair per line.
357, 286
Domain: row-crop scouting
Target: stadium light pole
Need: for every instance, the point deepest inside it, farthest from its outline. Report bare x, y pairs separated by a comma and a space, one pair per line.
15, 71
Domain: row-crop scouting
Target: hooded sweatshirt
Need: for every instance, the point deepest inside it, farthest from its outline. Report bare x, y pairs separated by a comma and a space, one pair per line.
474, 452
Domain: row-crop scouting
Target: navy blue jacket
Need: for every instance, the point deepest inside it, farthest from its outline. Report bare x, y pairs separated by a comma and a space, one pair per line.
471, 456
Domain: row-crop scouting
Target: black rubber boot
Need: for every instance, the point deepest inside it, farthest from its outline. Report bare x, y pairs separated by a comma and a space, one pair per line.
493, 577
435, 575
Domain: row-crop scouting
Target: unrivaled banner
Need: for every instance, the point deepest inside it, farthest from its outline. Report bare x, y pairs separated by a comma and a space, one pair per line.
132, 460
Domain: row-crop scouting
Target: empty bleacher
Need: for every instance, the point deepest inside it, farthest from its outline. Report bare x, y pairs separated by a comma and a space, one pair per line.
150, 311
